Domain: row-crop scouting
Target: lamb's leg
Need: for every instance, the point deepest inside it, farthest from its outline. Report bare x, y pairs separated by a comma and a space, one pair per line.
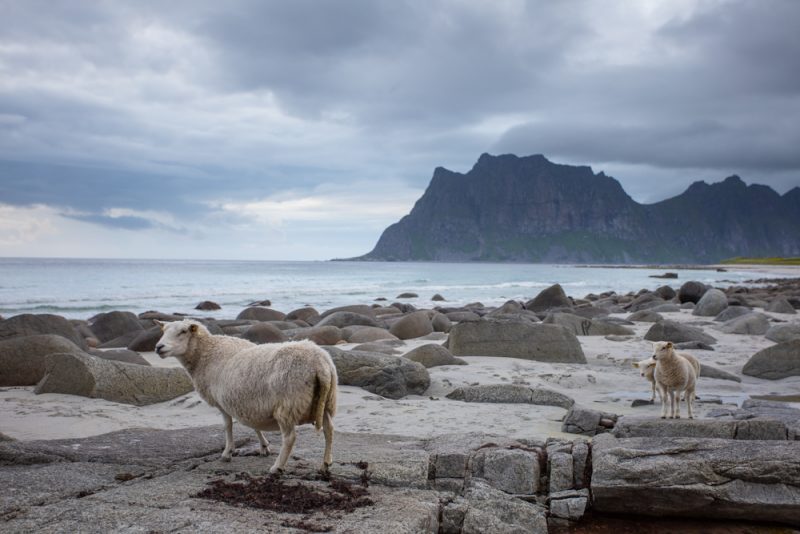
653, 393
226, 454
664, 397
690, 403
288, 434
262, 439
327, 429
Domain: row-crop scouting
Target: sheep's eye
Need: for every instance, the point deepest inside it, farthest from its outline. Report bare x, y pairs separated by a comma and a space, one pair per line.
184, 331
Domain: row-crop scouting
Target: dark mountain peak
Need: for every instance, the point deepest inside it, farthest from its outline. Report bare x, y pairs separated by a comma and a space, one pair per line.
510, 208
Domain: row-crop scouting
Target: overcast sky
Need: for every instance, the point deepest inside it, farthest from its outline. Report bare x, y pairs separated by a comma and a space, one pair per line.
301, 129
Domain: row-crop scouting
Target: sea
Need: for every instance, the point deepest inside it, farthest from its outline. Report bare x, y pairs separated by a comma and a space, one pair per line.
82, 288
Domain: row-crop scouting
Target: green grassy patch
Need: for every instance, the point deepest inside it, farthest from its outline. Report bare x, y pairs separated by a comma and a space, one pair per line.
762, 261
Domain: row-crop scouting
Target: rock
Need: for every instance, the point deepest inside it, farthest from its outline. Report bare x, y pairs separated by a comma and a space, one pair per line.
775, 362
361, 309
258, 313
665, 275
407, 295
264, 333
208, 305
780, 305
666, 292
580, 420
29, 324
569, 505
668, 308
712, 303
367, 334
552, 297
146, 340
437, 298
511, 394
341, 319
640, 427
88, 376
560, 474
115, 324
376, 347
307, 314
645, 301
321, 335
697, 477
265, 303
708, 371
120, 342
512, 471
752, 324
388, 376
586, 327
619, 338
693, 345
441, 323
463, 316
731, 312
645, 316
580, 463
415, 324
691, 292
491, 510
22, 359
781, 333
167, 317
120, 355
516, 339
677, 333
433, 355
589, 312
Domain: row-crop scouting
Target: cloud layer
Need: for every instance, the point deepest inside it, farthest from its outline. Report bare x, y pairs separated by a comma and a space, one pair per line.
275, 129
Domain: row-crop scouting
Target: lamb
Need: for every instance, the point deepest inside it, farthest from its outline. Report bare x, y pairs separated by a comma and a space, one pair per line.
674, 373
266, 387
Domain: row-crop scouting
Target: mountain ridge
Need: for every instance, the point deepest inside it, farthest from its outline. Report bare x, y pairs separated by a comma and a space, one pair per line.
529, 209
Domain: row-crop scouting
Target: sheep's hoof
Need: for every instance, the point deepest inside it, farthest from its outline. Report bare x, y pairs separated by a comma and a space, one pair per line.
265, 452
275, 470
677, 417
225, 458
663, 417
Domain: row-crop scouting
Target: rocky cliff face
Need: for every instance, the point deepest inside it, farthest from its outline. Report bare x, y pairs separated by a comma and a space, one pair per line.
509, 208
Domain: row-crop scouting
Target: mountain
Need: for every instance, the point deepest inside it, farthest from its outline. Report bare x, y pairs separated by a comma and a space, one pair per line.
509, 208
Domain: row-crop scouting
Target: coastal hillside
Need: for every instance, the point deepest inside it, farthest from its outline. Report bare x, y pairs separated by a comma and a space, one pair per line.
529, 209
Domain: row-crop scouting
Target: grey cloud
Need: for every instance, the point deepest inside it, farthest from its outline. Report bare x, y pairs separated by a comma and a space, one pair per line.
126, 222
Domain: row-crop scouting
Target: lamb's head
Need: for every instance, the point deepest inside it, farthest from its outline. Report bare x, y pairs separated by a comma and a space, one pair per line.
644, 364
177, 337
663, 350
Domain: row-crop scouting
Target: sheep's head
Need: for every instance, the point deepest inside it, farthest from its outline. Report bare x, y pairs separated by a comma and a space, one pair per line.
176, 337
663, 349
644, 365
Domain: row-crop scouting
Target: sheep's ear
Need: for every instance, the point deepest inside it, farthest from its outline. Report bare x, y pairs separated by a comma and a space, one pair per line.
193, 328
668, 345
635, 365
162, 324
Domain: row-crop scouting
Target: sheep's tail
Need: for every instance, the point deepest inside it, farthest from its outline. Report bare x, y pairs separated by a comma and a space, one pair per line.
323, 398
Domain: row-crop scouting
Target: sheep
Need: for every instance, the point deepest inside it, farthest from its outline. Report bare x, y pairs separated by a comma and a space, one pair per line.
674, 373
647, 369
266, 387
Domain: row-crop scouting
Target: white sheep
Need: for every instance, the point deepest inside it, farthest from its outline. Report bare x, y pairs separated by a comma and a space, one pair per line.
647, 369
266, 387
674, 373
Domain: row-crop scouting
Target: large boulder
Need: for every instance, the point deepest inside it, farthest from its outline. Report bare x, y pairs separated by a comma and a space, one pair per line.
677, 333
307, 314
511, 394
645, 301
732, 312
22, 359
777, 361
433, 355
208, 305
388, 376
463, 316
413, 325
666, 292
490, 510
586, 327
780, 305
780, 333
752, 324
516, 339
341, 319
261, 333
691, 292
259, 313
711, 303
645, 316
88, 376
114, 324
697, 477
146, 340
321, 335
368, 334
440, 322
29, 324
120, 355
552, 297
361, 309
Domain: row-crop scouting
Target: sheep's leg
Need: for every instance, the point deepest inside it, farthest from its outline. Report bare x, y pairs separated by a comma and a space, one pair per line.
663, 394
677, 404
653, 393
288, 434
690, 403
262, 439
226, 454
327, 429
